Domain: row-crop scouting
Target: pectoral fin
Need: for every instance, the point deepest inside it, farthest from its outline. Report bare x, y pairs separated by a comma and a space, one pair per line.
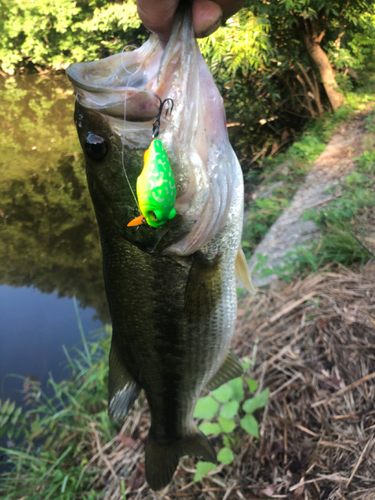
231, 368
203, 289
243, 273
123, 389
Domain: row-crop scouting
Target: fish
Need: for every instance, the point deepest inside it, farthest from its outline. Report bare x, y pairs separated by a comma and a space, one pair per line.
171, 289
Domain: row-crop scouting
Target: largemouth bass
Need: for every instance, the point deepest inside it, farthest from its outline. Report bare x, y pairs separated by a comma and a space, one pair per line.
171, 289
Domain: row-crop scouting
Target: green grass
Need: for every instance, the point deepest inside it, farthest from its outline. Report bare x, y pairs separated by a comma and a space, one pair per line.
296, 163
340, 222
58, 436
58, 433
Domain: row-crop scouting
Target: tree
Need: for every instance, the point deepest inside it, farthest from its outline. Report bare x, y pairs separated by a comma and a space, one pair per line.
315, 23
54, 34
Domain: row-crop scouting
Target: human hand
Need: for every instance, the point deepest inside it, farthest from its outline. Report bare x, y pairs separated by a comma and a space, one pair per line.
157, 15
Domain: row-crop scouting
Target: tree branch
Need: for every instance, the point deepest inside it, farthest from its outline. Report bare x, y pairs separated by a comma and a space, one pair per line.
317, 95
308, 102
309, 106
320, 37
314, 88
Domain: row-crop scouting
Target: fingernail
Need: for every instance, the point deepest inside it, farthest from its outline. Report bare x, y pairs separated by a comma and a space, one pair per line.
213, 27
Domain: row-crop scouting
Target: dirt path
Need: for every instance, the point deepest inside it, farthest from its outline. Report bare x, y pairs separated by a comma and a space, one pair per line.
332, 165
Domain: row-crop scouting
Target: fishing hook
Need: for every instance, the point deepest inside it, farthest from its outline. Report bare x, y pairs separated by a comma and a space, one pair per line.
156, 125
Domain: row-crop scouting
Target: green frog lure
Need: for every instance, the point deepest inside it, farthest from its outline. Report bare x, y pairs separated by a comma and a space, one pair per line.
156, 187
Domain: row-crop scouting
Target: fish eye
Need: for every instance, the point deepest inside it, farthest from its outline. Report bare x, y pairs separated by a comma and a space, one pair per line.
96, 147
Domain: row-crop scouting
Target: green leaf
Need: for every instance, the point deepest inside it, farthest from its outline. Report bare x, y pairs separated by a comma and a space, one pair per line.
237, 389
226, 440
123, 493
206, 407
16, 414
253, 384
3, 420
227, 424
225, 456
229, 409
258, 401
210, 428
249, 423
202, 469
11, 408
222, 393
5, 405
245, 362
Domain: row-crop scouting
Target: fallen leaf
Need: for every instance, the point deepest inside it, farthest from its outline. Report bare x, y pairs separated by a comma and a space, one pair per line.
141, 467
269, 490
299, 490
127, 441
321, 324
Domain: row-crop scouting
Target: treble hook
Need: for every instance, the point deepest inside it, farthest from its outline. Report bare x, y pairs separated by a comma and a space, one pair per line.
156, 124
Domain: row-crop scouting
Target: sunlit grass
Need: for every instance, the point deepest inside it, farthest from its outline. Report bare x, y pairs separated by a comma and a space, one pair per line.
290, 168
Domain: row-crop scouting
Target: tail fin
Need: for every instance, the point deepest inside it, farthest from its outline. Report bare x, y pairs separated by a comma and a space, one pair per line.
162, 458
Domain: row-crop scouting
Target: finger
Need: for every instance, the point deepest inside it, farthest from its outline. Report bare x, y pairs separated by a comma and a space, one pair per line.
157, 16
206, 17
207, 14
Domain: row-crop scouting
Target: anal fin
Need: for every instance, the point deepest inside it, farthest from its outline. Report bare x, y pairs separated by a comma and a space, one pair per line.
123, 389
162, 458
231, 368
243, 273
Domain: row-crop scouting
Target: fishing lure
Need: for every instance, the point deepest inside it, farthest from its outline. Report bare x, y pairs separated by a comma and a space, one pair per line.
156, 187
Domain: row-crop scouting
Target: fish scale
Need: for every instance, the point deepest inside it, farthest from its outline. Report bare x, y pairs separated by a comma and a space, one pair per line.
151, 329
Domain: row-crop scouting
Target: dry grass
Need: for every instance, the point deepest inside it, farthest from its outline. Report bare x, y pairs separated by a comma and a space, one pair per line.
314, 342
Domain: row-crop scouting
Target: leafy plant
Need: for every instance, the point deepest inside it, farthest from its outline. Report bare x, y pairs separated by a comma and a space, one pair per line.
242, 43
224, 412
56, 34
9, 416
336, 245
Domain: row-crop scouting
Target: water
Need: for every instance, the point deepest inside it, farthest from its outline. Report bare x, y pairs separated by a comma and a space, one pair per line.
49, 243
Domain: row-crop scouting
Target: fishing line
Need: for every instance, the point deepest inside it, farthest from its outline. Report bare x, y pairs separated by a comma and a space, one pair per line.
123, 134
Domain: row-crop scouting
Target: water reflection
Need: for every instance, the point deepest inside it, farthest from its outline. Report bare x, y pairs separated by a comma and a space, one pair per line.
48, 233
34, 327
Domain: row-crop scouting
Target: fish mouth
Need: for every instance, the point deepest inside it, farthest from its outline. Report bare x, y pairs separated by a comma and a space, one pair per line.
119, 86
126, 90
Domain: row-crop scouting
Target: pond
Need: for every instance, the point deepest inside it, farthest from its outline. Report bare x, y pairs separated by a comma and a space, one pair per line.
49, 244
